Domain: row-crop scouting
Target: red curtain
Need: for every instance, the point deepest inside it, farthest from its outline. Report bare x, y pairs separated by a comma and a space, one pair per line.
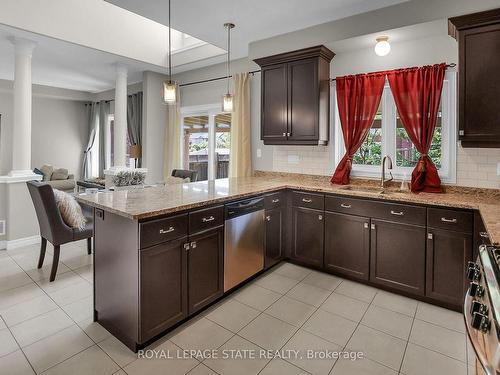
417, 92
358, 98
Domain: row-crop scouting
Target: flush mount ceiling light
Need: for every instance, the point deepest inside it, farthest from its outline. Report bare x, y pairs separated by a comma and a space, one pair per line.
169, 87
227, 99
382, 48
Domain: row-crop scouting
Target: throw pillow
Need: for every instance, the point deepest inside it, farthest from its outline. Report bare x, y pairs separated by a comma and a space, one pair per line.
71, 211
47, 172
59, 174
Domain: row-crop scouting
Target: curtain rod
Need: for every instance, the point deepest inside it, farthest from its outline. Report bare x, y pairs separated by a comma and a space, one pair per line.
213, 79
452, 65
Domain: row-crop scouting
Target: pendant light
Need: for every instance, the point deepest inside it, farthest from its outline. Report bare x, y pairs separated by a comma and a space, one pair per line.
227, 99
169, 87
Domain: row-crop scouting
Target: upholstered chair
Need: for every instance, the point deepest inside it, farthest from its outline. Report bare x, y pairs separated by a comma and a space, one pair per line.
52, 226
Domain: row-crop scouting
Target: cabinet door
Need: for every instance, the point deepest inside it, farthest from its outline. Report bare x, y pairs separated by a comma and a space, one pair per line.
398, 256
274, 105
303, 100
205, 268
163, 287
479, 85
347, 244
274, 236
308, 234
447, 255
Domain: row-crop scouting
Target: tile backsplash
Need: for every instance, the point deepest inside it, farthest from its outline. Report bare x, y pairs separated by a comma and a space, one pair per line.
475, 167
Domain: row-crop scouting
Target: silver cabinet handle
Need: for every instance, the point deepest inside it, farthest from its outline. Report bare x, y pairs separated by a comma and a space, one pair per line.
208, 219
268, 218
320, 217
275, 200
284, 134
430, 236
186, 246
445, 220
343, 205
400, 213
484, 234
373, 226
365, 225
192, 245
288, 134
169, 230
305, 200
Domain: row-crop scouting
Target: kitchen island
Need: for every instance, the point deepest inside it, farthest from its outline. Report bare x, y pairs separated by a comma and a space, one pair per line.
159, 251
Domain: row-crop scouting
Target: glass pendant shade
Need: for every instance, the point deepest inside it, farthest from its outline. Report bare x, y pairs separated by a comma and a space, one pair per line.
169, 92
227, 103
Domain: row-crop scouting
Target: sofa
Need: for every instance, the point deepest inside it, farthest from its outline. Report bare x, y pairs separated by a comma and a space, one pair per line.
58, 178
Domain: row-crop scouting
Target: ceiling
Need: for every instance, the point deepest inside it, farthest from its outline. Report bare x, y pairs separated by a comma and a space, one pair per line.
255, 20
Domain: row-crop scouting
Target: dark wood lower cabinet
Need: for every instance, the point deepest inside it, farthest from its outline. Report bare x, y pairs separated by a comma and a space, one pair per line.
274, 236
447, 255
308, 236
347, 245
398, 256
163, 287
205, 268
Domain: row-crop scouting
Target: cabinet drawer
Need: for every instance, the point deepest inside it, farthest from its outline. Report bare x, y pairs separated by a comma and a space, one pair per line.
308, 200
401, 213
460, 221
274, 200
205, 219
157, 231
353, 206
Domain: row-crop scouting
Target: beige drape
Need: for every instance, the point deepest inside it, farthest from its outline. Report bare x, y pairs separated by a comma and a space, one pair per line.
240, 161
172, 158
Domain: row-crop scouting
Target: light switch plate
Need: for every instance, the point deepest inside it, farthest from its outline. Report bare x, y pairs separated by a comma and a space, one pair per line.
293, 159
259, 153
2, 227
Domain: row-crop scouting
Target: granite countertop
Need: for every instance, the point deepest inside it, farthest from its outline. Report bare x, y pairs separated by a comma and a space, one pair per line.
149, 202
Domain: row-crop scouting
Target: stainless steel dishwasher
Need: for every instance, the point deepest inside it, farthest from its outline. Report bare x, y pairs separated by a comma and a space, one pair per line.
243, 241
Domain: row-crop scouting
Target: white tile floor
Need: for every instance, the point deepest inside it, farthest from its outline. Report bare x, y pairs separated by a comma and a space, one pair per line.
47, 327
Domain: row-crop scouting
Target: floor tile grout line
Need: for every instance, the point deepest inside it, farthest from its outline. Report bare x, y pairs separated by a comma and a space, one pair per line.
19, 348
407, 342
75, 323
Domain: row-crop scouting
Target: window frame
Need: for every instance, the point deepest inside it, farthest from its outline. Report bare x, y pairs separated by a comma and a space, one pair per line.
447, 172
211, 110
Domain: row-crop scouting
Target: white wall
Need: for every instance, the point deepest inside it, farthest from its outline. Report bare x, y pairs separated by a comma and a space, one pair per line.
475, 167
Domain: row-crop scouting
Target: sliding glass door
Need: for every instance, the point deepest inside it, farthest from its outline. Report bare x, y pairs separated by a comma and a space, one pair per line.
206, 141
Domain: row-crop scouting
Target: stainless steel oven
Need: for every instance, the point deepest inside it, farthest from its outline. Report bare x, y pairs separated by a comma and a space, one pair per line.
482, 308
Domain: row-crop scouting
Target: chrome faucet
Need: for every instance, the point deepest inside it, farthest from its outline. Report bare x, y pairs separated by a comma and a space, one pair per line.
389, 166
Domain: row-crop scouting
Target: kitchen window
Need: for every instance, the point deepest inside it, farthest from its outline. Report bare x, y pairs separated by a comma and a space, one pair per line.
206, 141
387, 136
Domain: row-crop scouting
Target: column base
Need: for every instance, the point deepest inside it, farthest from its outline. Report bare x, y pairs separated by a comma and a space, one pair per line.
20, 176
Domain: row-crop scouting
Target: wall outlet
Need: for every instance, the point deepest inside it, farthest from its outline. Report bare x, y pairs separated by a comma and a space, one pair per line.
259, 153
293, 159
2, 227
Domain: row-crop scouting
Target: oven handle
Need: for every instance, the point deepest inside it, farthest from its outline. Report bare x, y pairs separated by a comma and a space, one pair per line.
471, 332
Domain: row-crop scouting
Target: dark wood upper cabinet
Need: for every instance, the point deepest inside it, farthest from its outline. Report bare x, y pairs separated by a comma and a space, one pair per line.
308, 236
274, 236
398, 256
205, 268
347, 245
295, 97
478, 37
163, 287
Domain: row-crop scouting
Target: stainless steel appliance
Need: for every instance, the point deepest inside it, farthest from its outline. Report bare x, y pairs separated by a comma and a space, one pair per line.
243, 241
482, 308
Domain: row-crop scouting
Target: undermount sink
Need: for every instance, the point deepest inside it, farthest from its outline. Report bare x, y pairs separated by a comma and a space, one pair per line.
365, 189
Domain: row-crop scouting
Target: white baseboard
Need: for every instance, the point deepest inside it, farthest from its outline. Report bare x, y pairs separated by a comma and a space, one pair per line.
3, 245
21, 242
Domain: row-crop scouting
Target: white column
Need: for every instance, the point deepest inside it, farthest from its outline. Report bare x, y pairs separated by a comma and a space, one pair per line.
21, 132
120, 126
